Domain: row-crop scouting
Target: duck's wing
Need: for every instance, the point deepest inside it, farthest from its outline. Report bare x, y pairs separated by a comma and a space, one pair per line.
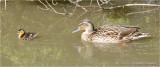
118, 30
32, 34
29, 35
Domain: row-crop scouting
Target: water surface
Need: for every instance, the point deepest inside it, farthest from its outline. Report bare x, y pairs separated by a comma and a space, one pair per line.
57, 46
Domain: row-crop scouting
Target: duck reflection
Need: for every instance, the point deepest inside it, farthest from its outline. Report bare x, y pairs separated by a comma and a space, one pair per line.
88, 49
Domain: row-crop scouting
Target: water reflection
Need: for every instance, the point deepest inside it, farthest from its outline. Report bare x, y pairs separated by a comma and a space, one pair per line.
87, 48
114, 54
110, 53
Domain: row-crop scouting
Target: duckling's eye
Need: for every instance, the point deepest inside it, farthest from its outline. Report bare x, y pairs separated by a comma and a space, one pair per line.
21, 31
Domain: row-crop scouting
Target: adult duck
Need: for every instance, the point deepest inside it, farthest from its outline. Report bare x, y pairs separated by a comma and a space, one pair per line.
109, 33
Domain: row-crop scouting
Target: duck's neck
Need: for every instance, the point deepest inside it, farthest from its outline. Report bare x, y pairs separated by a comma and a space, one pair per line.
86, 34
88, 31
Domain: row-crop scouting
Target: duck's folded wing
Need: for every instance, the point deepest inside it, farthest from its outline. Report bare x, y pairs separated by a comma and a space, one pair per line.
32, 34
118, 30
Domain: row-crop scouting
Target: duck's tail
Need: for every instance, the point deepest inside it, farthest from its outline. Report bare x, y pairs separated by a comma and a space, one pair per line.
141, 36
35, 34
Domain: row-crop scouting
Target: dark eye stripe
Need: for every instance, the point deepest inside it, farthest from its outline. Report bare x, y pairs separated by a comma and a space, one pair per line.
80, 24
84, 24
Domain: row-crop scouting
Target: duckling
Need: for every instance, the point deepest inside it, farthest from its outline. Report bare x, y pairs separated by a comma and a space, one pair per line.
109, 33
26, 35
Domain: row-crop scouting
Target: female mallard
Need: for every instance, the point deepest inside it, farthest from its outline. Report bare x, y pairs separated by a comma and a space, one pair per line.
109, 33
26, 35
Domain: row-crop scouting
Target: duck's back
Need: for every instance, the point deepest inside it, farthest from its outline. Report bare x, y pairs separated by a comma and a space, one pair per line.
29, 35
116, 28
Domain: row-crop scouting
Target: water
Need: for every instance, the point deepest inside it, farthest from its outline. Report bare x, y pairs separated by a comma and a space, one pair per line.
57, 46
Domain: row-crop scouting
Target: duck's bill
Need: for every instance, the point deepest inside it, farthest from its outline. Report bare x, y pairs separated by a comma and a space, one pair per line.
76, 30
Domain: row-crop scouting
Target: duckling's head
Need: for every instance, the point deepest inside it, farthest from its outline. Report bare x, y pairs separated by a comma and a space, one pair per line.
85, 25
20, 32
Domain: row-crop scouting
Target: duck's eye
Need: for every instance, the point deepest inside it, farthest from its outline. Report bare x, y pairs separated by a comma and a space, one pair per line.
85, 24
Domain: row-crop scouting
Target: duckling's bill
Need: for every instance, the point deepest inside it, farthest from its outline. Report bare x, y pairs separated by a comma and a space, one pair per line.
76, 30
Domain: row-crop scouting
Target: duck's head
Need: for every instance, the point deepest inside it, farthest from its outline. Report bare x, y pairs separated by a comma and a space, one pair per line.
85, 25
20, 32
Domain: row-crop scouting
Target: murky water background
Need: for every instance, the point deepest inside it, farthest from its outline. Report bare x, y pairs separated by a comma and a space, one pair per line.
57, 46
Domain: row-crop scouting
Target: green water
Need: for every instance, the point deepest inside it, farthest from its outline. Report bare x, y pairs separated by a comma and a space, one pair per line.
57, 46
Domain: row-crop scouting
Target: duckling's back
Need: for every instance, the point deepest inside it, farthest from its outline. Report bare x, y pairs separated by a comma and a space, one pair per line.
29, 36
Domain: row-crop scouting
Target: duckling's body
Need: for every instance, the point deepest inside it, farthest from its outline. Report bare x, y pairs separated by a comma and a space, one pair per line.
26, 35
109, 33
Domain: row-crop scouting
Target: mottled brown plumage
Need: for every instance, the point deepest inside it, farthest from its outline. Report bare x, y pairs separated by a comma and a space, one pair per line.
26, 35
109, 33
